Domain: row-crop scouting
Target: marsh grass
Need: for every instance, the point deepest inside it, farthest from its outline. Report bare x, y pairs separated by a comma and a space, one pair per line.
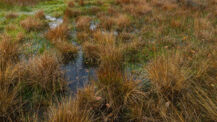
70, 112
68, 50
82, 36
9, 51
40, 15
71, 4
10, 103
106, 22
79, 109
11, 15
83, 23
155, 60
172, 77
70, 13
60, 33
42, 83
122, 21
33, 24
91, 53
44, 72
59, 38
138, 9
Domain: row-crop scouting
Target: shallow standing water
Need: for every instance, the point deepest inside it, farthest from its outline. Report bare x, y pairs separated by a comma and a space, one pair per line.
75, 72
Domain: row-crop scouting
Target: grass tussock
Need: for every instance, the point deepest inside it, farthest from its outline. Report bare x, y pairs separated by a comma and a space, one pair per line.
122, 21
59, 38
9, 51
77, 109
70, 13
44, 73
83, 23
91, 53
68, 50
94, 10
71, 4
82, 36
81, 2
69, 112
153, 60
139, 9
33, 23
29, 86
61, 32
179, 86
10, 103
167, 74
106, 22
40, 15
11, 15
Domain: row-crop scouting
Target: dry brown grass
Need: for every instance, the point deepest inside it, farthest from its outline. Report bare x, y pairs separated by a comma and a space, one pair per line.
71, 4
111, 55
33, 24
82, 36
106, 22
181, 84
104, 38
59, 38
10, 27
204, 29
83, 23
132, 49
167, 74
125, 37
11, 15
60, 33
69, 112
81, 2
10, 104
40, 15
139, 9
101, 103
122, 21
94, 10
123, 1
74, 110
44, 73
9, 51
68, 50
91, 53
169, 6
118, 91
20, 37
112, 11
70, 13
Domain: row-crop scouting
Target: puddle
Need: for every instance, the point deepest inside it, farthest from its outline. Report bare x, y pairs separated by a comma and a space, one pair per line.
54, 22
75, 72
93, 26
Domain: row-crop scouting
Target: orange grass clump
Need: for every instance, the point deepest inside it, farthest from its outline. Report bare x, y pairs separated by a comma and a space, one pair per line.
61, 32
83, 23
70, 13
11, 15
33, 24
9, 51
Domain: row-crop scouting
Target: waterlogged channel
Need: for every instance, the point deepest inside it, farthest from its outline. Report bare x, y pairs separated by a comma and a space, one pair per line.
76, 73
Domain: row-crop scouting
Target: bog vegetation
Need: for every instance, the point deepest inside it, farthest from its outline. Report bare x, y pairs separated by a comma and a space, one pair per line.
155, 60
